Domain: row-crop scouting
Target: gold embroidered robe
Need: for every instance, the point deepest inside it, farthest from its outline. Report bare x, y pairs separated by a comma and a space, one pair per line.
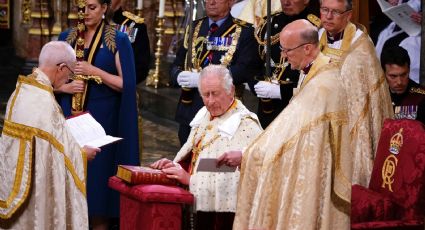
42, 168
368, 99
297, 173
234, 130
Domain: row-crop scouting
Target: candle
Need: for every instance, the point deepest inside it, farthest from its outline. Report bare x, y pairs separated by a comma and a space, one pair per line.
161, 8
139, 4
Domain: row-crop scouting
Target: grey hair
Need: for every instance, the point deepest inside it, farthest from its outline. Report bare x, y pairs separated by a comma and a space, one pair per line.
220, 71
310, 35
56, 52
348, 4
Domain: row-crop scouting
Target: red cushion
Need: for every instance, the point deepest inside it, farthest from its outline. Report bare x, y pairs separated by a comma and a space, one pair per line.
152, 192
367, 205
407, 182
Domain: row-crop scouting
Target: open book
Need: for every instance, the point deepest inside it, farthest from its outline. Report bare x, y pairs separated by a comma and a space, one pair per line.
87, 131
400, 15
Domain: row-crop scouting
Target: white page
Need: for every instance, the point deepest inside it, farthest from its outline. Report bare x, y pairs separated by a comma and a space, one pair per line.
87, 131
400, 14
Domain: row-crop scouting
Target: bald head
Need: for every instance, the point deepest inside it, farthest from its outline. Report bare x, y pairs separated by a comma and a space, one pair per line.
299, 41
301, 30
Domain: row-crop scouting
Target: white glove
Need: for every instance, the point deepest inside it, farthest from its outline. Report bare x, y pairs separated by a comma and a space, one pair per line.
265, 89
188, 79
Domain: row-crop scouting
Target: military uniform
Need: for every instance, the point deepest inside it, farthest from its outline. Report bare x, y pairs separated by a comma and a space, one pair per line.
411, 103
232, 45
135, 28
282, 74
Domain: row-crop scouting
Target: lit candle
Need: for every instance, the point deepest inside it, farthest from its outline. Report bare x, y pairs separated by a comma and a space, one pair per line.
139, 4
161, 8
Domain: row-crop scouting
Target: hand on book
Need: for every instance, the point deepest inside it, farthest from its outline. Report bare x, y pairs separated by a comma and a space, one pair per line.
230, 158
90, 152
162, 164
178, 173
416, 17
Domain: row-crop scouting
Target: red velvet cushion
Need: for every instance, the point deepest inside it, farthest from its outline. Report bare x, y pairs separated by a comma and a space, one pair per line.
152, 192
367, 205
409, 175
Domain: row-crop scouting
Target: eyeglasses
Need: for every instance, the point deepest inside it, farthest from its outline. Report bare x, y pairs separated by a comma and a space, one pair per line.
70, 70
285, 51
334, 13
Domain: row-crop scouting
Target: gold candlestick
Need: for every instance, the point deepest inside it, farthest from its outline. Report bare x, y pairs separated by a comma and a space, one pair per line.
154, 78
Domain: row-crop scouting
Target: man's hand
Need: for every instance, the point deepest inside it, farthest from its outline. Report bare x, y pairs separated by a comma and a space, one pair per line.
90, 152
416, 17
265, 89
162, 164
188, 79
230, 158
178, 173
393, 2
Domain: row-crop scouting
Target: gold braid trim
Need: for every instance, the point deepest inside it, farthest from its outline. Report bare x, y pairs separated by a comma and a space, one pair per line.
259, 31
29, 80
72, 36
339, 117
366, 107
417, 90
27, 133
18, 180
110, 33
227, 58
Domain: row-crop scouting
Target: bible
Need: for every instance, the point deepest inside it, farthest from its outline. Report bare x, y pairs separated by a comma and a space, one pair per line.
143, 175
87, 131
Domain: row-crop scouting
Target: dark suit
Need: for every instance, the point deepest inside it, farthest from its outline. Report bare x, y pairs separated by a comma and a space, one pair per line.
411, 103
268, 109
244, 64
140, 42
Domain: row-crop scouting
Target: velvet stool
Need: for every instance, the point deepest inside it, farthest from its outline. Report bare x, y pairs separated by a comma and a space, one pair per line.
150, 206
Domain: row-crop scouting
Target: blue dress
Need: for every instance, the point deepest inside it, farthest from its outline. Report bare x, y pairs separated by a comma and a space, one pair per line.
117, 113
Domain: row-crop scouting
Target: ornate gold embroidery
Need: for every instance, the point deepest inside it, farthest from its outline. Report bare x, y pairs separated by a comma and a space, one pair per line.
110, 34
396, 142
227, 58
30, 80
27, 133
336, 54
72, 35
388, 170
417, 90
197, 148
18, 180
340, 117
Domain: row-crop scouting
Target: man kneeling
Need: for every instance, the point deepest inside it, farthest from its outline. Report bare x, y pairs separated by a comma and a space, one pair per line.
223, 124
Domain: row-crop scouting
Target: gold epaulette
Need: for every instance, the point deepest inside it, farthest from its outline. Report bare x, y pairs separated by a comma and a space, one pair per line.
314, 20
133, 17
241, 22
417, 90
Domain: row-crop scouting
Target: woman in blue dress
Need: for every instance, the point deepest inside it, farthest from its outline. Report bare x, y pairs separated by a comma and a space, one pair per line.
108, 54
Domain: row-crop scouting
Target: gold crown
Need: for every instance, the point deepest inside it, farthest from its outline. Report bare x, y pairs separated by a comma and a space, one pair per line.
396, 142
